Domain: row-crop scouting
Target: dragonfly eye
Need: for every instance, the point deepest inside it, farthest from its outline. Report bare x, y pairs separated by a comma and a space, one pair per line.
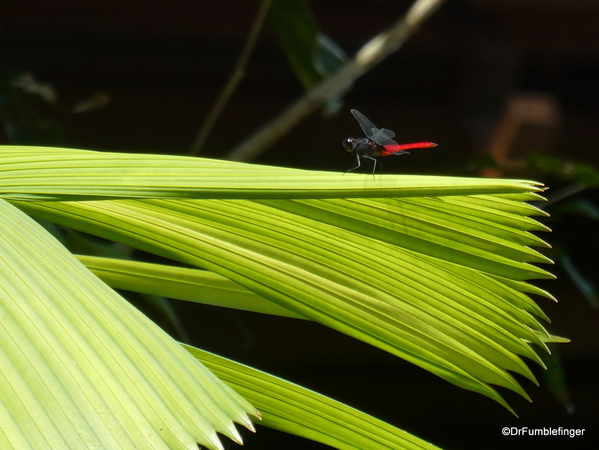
348, 144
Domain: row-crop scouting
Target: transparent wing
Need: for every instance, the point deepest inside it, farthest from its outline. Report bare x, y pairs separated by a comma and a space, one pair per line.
367, 126
380, 136
389, 133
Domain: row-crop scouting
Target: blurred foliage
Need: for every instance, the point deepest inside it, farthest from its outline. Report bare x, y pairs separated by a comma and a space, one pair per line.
570, 200
584, 285
577, 206
584, 174
312, 55
554, 378
22, 101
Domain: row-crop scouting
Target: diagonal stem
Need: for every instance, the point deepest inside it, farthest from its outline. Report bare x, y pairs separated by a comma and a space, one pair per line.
376, 50
235, 78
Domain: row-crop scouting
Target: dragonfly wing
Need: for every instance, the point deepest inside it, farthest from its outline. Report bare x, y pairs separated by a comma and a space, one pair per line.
383, 137
367, 126
388, 132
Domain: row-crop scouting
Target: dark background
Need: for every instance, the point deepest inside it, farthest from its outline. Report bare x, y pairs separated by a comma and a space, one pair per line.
467, 72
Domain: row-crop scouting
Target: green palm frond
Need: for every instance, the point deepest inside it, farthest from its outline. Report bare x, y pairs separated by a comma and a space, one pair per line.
47, 173
297, 410
81, 368
431, 269
201, 286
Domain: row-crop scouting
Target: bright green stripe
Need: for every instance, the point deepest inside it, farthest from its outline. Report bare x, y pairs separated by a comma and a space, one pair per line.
180, 283
28, 173
348, 215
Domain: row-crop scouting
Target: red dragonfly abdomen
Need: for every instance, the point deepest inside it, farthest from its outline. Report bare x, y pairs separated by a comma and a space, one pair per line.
391, 149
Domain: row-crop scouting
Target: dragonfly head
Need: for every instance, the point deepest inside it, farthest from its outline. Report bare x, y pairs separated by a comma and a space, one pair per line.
349, 144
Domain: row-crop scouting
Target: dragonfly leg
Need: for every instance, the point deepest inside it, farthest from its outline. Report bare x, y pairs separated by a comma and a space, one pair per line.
373, 163
358, 164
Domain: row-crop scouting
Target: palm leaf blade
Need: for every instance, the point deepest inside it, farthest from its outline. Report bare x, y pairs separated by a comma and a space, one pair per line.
431, 269
81, 362
258, 246
293, 409
180, 283
38, 173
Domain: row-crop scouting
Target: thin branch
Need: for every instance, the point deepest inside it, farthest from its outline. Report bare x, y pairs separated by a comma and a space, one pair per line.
562, 194
235, 78
376, 50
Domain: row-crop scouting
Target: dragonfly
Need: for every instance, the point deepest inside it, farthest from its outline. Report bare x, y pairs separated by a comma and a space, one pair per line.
378, 142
